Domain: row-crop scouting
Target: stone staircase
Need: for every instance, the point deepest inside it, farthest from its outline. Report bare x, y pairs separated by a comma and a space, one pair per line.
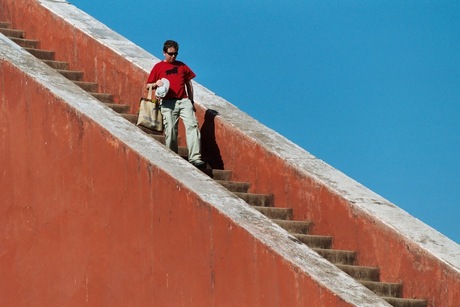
345, 260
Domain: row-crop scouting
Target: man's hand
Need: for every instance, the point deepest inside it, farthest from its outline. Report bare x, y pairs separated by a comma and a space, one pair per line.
159, 83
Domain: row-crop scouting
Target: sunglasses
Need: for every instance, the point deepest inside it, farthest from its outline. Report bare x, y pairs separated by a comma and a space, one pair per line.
172, 53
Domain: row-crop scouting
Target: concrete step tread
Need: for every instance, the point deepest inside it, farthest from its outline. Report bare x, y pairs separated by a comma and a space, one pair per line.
90, 87
26, 43
336, 256
264, 200
87, 83
300, 235
118, 107
405, 302
221, 174
5, 24
12, 32
157, 137
234, 186
315, 241
56, 64
71, 74
298, 227
103, 97
368, 282
275, 212
41, 54
384, 288
361, 272
131, 117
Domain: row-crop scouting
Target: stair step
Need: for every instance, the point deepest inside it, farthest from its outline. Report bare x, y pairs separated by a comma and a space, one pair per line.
26, 43
235, 186
337, 256
90, 87
103, 97
368, 276
183, 152
57, 64
383, 288
405, 302
315, 241
219, 174
41, 54
364, 273
12, 33
5, 24
71, 74
275, 212
294, 227
262, 200
158, 137
132, 118
119, 108
150, 132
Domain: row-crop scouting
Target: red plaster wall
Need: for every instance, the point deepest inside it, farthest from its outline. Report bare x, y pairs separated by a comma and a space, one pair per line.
423, 276
114, 74
399, 260
85, 221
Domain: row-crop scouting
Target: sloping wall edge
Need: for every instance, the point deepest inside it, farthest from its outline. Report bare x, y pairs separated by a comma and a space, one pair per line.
408, 227
249, 219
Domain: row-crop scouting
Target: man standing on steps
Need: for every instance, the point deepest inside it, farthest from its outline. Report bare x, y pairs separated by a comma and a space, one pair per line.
178, 101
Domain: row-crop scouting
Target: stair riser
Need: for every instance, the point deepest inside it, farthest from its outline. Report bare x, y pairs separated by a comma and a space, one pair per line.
88, 86
183, 152
26, 43
132, 118
399, 302
4, 25
158, 138
338, 257
316, 241
41, 54
106, 98
235, 186
221, 174
119, 108
361, 273
384, 289
261, 200
276, 213
57, 64
294, 227
12, 33
72, 75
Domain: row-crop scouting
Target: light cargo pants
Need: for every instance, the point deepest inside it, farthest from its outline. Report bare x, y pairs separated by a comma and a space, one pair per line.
172, 110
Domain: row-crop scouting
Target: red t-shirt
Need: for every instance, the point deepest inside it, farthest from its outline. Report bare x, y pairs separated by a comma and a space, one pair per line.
177, 73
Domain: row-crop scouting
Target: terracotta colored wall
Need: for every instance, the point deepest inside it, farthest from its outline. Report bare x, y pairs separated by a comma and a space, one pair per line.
423, 275
85, 221
114, 74
400, 260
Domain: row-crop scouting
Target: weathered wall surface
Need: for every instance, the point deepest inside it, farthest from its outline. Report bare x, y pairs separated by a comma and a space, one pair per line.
95, 213
384, 235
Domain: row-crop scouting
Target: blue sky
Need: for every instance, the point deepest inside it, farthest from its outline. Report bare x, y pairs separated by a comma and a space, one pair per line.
370, 87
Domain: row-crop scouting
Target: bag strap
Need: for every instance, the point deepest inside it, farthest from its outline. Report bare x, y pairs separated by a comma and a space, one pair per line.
149, 94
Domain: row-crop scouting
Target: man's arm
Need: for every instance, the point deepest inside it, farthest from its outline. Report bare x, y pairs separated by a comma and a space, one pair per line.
189, 87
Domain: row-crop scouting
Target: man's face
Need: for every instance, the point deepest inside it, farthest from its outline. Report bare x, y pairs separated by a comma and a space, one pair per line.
170, 54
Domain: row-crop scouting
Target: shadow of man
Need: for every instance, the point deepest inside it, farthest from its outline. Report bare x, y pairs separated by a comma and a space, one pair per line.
209, 148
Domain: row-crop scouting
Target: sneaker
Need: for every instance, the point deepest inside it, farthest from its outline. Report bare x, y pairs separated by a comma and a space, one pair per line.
198, 163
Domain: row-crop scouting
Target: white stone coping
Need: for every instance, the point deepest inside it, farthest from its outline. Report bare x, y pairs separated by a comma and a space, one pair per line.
360, 197
270, 234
